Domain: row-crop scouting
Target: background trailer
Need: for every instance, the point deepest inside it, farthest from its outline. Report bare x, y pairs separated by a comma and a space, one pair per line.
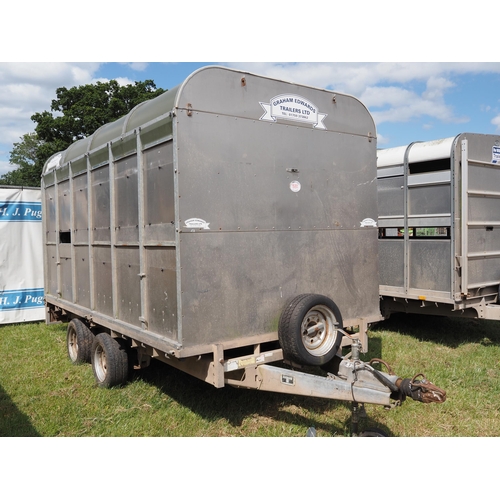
439, 220
21, 255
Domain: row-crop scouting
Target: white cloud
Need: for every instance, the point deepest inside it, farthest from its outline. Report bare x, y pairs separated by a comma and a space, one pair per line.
11, 132
397, 104
354, 78
416, 109
121, 80
137, 66
19, 92
381, 140
496, 122
377, 97
436, 86
11, 112
48, 74
5, 167
394, 104
27, 88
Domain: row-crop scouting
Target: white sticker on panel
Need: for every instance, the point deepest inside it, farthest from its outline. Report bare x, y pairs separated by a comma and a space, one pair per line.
295, 108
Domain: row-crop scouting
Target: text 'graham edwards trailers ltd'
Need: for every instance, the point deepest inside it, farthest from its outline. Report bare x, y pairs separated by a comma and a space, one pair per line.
224, 227
439, 227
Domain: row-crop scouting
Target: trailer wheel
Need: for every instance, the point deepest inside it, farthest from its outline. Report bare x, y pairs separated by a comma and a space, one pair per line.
308, 330
79, 340
109, 361
375, 432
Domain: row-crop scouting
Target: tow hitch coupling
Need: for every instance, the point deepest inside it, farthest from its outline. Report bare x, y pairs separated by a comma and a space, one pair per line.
420, 389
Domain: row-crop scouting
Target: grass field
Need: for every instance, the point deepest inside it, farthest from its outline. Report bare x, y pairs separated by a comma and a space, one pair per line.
43, 394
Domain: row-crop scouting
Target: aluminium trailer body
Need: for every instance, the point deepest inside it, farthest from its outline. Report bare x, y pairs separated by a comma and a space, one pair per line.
225, 225
439, 227
190, 222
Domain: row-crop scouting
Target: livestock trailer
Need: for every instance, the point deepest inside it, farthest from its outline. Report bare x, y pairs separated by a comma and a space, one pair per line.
224, 226
439, 227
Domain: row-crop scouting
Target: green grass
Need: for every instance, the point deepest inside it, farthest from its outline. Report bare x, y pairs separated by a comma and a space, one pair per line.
43, 394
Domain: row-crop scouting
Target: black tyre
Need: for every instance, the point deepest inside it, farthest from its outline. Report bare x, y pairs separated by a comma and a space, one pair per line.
308, 330
79, 340
375, 432
109, 361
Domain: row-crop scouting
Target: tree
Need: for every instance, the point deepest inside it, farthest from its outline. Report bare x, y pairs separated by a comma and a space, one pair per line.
76, 113
24, 155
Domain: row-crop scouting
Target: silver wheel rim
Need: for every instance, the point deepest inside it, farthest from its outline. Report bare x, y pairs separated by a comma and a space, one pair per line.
72, 345
100, 363
319, 331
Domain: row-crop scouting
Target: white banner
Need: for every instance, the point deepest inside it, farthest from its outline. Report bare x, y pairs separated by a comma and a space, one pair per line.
21, 255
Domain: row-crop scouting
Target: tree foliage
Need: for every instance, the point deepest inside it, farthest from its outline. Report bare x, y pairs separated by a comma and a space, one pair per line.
24, 155
75, 113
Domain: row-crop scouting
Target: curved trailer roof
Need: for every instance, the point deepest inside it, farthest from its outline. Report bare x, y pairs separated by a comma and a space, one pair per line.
144, 112
159, 107
416, 152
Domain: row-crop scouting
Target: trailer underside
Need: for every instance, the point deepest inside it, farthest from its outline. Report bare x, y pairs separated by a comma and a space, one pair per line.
260, 366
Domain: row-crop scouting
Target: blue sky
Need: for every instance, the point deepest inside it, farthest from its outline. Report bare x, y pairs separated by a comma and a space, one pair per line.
409, 101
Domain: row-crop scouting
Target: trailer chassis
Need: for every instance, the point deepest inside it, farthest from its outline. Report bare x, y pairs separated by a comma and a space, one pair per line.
347, 378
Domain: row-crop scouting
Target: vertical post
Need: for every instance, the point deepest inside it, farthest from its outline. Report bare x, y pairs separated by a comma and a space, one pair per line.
44, 244
464, 215
72, 233
355, 351
112, 231
406, 243
142, 247
90, 232
363, 336
355, 419
58, 229
178, 224
218, 373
